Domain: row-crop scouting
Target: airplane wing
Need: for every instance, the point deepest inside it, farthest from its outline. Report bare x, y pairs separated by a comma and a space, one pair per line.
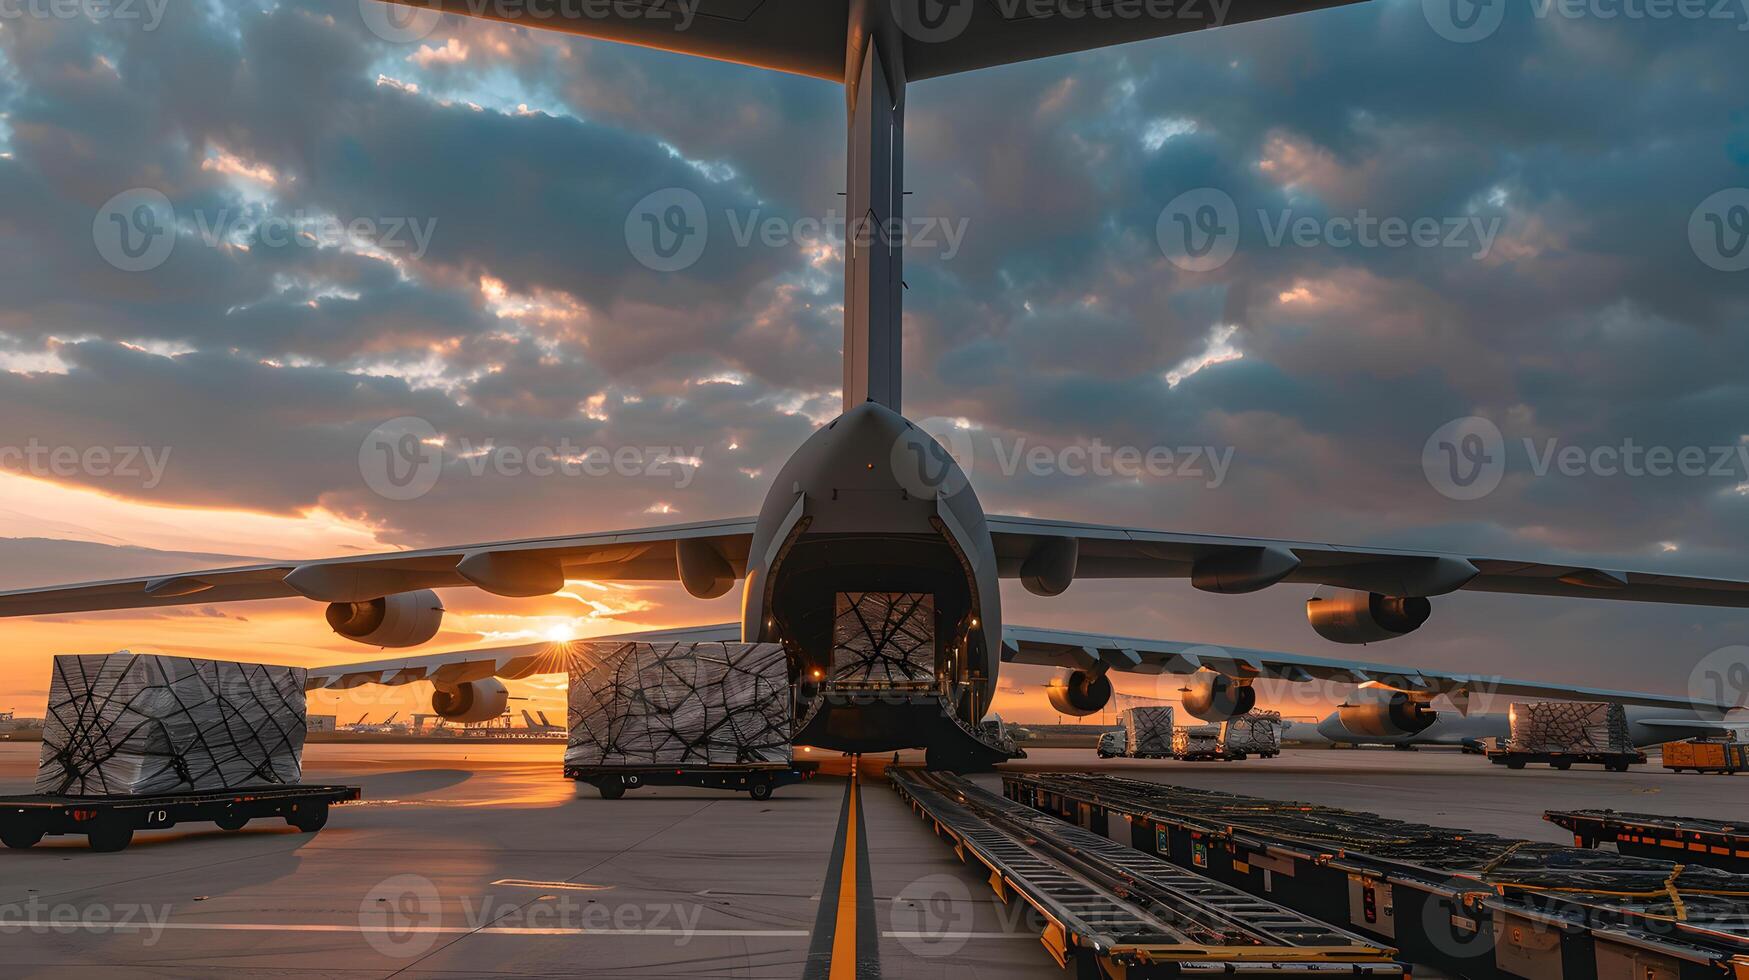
1218, 563
533, 566
510, 663
1063, 648
809, 37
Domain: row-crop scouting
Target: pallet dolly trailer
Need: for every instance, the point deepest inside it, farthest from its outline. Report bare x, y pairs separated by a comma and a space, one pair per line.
109, 822
1612, 761
1685, 840
757, 781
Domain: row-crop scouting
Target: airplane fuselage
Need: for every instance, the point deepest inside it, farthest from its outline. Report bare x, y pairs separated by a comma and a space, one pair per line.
872, 563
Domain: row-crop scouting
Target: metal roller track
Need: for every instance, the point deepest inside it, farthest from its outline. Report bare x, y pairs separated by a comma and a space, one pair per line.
1130, 913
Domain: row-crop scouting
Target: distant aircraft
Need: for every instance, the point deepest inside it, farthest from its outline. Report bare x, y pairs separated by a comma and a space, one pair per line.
544, 726
1648, 726
872, 504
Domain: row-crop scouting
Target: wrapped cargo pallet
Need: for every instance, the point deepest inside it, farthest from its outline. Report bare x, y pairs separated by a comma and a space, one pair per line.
120, 724
1147, 731
1197, 742
673, 704
1253, 733
1569, 727
882, 639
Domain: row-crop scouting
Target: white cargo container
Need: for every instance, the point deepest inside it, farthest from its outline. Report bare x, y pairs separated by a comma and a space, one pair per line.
1198, 742
1562, 733
126, 725
1253, 733
1147, 731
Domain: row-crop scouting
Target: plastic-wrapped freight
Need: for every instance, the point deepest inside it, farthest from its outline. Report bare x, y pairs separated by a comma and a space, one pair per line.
125, 725
1147, 731
1253, 733
883, 638
1572, 727
1197, 741
642, 704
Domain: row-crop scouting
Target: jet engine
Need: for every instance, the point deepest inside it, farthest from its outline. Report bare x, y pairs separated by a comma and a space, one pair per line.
1386, 714
1078, 692
1213, 696
481, 700
1350, 616
405, 619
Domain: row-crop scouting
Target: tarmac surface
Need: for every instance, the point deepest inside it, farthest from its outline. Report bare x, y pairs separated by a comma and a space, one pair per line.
482, 861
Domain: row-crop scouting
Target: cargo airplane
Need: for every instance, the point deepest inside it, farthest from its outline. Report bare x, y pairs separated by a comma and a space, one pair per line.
871, 504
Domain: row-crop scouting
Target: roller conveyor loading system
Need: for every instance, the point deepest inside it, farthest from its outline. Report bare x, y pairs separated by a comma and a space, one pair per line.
1475, 905
1106, 909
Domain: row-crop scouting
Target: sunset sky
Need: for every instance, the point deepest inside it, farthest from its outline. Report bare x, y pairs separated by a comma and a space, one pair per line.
254, 368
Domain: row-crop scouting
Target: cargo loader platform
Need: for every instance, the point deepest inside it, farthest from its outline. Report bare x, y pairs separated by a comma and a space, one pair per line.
1108, 910
1714, 843
756, 780
1475, 905
109, 822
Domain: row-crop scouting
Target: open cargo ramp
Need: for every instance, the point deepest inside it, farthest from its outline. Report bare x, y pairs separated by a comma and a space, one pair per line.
1111, 911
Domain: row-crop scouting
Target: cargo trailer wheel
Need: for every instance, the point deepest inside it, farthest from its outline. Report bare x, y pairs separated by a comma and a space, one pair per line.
1563, 766
760, 791
21, 838
1617, 767
309, 817
232, 821
612, 791
1515, 764
109, 835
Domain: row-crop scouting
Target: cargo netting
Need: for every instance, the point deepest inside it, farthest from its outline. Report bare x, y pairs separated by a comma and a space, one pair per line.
1196, 740
883, 638
679, 704
120, 724
1147, 731
1592, 728
1253, 732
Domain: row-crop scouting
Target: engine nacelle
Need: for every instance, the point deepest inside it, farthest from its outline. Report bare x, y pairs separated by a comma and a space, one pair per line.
1213, 696
405, 619
1388, 715
1078, 692
1350, 616
481, 700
